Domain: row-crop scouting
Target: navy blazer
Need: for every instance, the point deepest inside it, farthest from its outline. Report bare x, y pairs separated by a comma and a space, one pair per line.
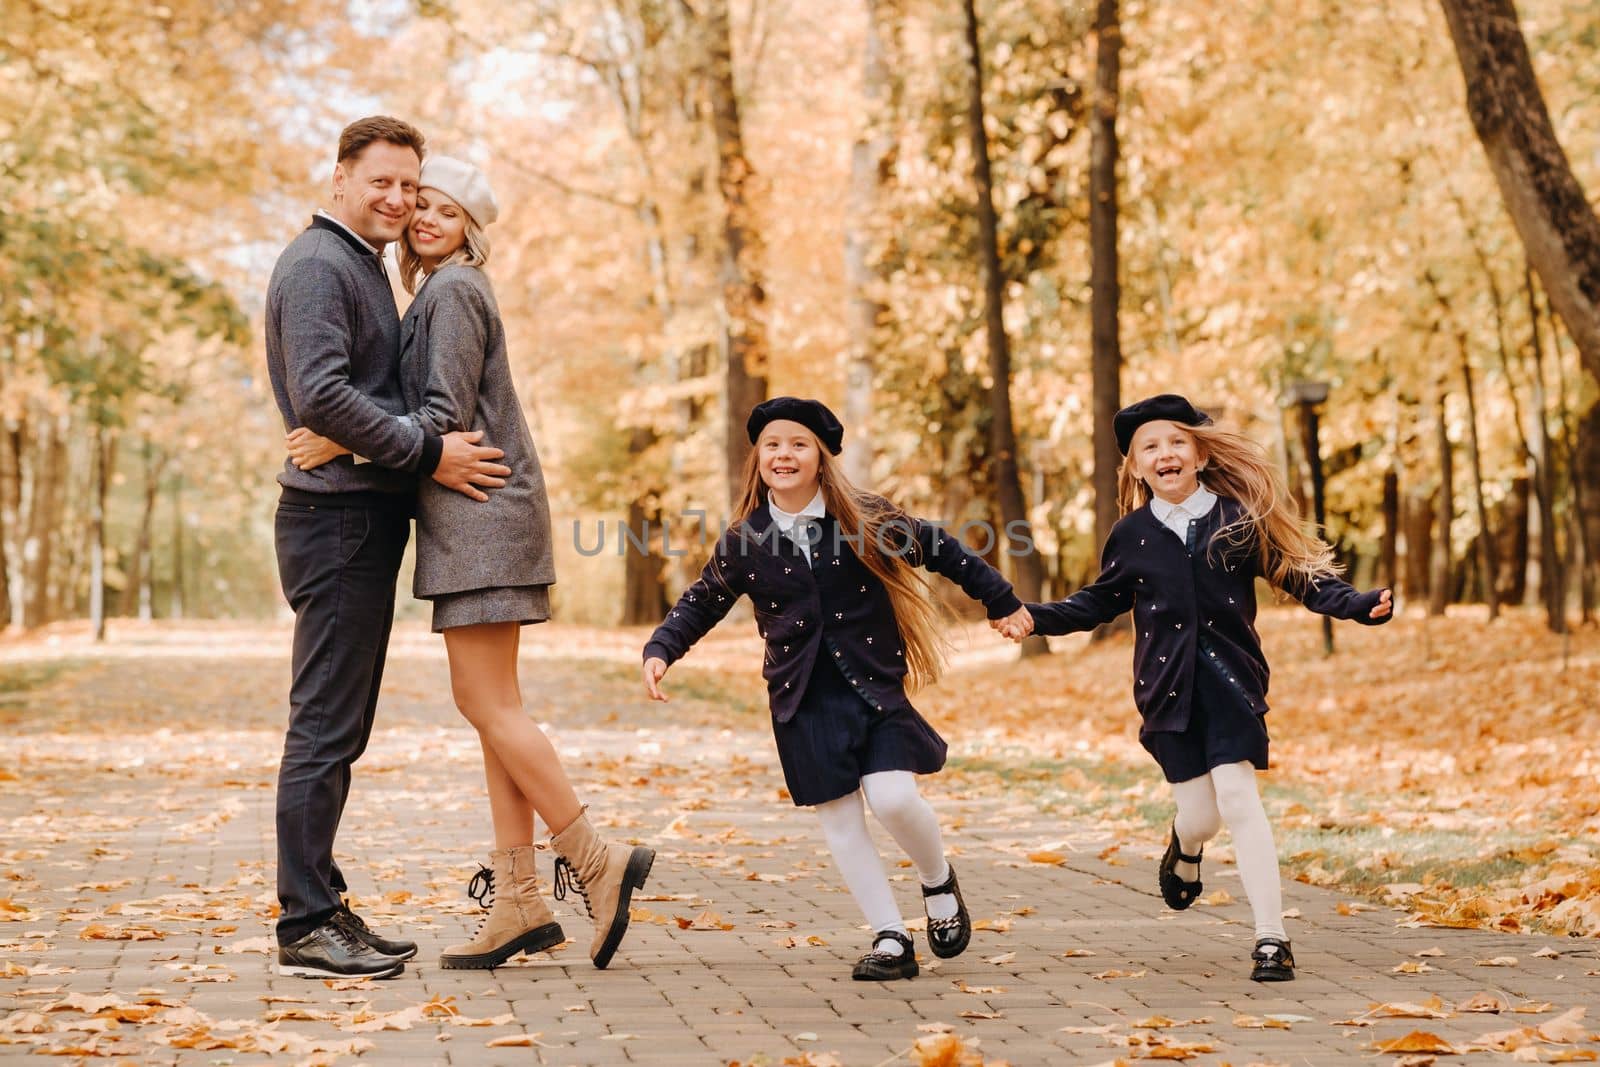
833, 606
1183, 600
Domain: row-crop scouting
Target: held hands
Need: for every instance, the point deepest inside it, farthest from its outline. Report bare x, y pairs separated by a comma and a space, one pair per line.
1383, 607
654, 668
1014, 627
464, 465
309, 450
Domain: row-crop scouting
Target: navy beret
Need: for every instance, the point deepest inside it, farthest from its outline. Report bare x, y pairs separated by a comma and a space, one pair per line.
1169, 406
812, 414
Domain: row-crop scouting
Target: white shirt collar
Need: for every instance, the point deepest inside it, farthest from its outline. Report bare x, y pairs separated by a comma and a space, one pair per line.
786, 521
1197, 504
364, 242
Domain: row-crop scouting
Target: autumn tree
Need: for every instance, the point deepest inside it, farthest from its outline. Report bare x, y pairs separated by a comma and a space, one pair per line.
118, 203
1007, 484
746, 351
1104, 285
1553, 217
872, 160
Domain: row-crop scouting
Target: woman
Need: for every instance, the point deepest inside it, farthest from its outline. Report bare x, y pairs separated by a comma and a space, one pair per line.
486, 565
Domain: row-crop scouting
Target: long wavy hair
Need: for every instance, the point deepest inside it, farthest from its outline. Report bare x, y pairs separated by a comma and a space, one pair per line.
879, 534
1235, 466
474, 252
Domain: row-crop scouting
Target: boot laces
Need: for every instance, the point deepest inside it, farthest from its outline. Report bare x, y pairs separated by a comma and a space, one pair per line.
567, 877
481, 888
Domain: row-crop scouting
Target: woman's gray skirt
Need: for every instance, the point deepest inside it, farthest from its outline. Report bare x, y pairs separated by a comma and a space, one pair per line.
474, 607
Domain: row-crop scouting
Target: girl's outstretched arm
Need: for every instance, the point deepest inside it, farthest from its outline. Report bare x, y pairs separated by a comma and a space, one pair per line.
1099, 602
703, 605
943, 554
1328, 594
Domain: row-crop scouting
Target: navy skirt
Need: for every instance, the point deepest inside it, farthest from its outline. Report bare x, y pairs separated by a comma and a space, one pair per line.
1222, 729
836, 738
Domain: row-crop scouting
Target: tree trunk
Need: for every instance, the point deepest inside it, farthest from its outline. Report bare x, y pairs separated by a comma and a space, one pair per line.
104, 444
1513, 577
1486, 553
1483, 544
1417, 518
1586, 473
743, 296
1105, 287
46, 502
1388, 544
1440, 582
1105, 291
1558, 228
140, 569
177, 607
1029, 574
1577, 555
644, 598
11, 519
1552, 581
872, 160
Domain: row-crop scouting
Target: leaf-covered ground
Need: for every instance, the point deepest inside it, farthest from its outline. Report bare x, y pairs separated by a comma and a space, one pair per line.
1448, 762
1444, 766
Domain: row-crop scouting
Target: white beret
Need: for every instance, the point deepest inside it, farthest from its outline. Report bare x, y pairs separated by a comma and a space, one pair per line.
463, 183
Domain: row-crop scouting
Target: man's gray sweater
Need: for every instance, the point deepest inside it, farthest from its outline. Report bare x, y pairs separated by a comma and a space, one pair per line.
333, 354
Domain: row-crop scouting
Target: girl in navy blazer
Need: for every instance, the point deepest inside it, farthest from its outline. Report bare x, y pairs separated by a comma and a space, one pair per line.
847, 623
1205, 513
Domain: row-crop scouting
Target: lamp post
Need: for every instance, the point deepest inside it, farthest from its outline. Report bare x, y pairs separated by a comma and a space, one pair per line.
1308, 395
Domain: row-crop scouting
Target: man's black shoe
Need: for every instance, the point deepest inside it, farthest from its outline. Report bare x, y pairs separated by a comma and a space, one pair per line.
357, 926
331, 951
878, 966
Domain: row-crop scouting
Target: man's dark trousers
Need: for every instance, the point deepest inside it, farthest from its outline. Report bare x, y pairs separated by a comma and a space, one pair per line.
338, 565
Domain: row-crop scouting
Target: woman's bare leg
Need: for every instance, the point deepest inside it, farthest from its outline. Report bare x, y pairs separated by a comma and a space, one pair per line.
483, 678
511, 811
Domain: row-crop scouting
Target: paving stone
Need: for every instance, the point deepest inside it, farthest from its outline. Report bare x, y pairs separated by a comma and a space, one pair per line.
674, 995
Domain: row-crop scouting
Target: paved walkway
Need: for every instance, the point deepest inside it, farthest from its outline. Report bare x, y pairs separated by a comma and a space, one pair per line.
136, 863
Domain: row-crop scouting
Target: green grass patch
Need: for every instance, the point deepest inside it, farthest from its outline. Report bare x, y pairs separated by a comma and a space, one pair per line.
20, 679
1034, 771
21, 683
1362, 857
703, 687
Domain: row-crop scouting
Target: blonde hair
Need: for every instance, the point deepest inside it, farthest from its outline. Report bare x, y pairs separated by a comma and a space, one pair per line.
879, 533
1235, 466
474, 252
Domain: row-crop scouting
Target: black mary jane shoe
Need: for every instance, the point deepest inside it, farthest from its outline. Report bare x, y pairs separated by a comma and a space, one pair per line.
1271, 961
948, 937
878, 966
1174, 890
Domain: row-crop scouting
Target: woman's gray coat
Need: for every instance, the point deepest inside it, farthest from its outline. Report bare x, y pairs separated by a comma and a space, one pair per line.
455, 376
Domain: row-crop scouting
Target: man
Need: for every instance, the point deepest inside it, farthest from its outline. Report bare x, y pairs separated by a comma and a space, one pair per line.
333, 353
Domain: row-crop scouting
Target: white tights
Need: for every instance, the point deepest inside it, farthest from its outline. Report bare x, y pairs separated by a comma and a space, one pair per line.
1228, 796
910, 821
